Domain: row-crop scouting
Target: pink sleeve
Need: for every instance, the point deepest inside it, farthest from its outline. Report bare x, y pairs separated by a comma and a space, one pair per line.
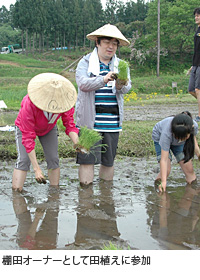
27, 126
68, 121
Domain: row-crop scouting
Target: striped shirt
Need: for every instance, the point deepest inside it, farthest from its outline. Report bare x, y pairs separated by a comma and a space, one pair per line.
107, 115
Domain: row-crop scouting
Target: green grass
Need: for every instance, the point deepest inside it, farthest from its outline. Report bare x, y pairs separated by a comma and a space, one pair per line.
17, 70
135, 139
132, 98
112, 246
160, 85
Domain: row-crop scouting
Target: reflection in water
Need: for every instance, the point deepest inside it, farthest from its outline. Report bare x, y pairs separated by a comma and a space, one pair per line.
176, 222
45, 218
128, 212
96, 217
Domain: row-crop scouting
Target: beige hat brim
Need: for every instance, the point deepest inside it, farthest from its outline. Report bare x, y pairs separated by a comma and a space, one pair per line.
109, 30
52, 93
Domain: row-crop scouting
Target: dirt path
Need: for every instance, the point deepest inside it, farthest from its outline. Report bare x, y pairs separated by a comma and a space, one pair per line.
9, 63
156, 112
139, 113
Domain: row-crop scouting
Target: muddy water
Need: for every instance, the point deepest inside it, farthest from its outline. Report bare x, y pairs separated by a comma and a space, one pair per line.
128, 212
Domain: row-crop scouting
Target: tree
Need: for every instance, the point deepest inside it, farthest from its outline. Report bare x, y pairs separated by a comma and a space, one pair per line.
4, 15
132, 11
17, 21
111, 10
39, 24
181, 25
8, 35
69, 21
176, 24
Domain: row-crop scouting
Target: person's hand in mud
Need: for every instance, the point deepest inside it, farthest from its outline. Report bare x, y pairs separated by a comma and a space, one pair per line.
38, 172
160, 186
40, 178
111, 76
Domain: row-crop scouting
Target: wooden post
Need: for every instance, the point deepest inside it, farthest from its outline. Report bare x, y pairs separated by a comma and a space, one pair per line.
158, 41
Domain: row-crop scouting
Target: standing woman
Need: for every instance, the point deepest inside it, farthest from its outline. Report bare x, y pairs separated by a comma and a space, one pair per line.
50, 96
175, 134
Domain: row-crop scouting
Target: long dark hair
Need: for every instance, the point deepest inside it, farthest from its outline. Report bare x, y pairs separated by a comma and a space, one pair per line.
182, 125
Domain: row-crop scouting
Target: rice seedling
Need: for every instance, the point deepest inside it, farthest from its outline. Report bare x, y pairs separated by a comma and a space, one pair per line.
88, 138
122, 76
123, 70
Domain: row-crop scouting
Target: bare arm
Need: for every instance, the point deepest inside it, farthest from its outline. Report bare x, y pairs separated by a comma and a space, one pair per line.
38, 172
163, 170
74, 137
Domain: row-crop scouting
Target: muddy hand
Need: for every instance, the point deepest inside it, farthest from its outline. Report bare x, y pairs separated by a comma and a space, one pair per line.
40, 177
109, 77
41, 180
161, 188
114, 76
80, 149
120, 83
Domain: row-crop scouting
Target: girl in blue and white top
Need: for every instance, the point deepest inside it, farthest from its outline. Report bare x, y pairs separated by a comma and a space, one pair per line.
176, 134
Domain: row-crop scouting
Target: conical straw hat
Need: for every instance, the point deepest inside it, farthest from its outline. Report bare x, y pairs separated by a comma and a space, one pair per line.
52, 93
109, 30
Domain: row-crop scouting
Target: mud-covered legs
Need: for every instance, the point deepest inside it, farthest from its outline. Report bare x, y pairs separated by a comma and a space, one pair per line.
86, 173
19, 177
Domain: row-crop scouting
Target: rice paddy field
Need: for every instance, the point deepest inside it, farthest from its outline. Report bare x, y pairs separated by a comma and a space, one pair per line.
147, 91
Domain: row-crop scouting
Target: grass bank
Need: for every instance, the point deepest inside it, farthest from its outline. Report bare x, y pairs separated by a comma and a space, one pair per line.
135, 140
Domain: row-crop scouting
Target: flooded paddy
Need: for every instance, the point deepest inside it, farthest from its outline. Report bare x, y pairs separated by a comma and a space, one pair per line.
127, 212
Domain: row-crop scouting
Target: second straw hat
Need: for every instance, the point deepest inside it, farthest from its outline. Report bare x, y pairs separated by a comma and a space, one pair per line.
109, 30
52, 93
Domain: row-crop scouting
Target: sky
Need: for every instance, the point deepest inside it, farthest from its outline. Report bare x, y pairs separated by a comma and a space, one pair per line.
7, 3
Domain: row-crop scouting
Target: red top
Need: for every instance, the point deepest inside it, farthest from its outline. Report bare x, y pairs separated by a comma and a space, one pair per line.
32, 122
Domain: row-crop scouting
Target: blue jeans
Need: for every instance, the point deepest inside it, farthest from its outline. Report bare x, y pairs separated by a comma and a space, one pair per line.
176, 150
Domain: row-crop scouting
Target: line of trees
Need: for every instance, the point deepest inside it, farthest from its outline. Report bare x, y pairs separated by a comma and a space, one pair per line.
44, 24
61, 23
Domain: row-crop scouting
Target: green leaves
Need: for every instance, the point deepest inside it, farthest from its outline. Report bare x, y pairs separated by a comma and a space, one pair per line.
88, 138
123, 70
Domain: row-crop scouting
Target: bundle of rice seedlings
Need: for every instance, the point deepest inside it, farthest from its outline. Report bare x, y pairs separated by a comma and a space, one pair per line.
88, 138
122, 76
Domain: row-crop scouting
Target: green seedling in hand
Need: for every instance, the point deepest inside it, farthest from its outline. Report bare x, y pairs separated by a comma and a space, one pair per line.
88, 139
